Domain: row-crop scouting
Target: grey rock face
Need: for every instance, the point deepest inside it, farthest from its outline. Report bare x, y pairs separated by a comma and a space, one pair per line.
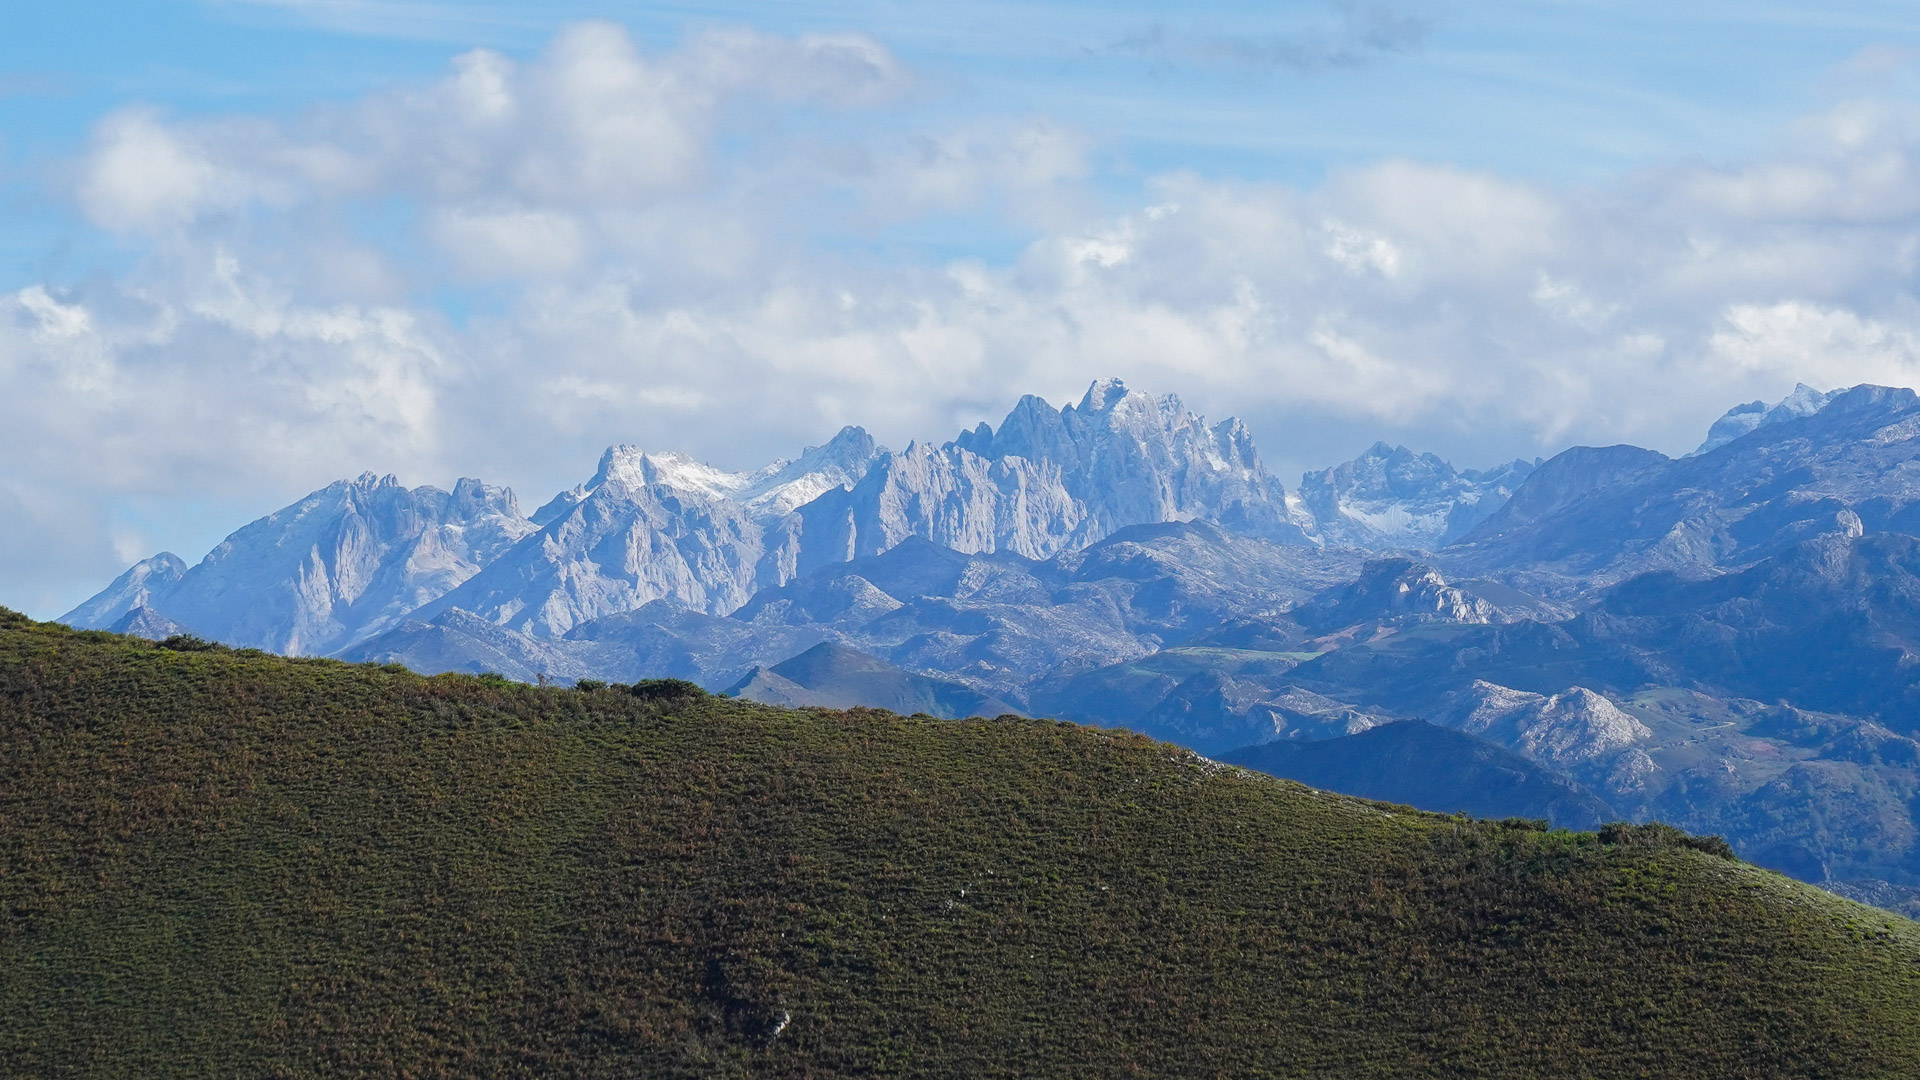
1737, 421
653, 526
144, 622
1578, 732
1390, 497
1391, 590
766, 494
141, 586
646, 527
1051, 481
1568, 730
1597, 516
342, 564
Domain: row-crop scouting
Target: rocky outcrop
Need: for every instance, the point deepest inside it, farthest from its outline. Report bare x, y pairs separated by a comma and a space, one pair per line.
1393, 590
142, 584
1391, 497
635, 533
1578, 731
344, 563
1739, 420
1597, 516
653, 526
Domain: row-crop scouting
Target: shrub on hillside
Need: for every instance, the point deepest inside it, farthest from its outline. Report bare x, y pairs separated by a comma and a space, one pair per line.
1659, 836
665, 690
191, 643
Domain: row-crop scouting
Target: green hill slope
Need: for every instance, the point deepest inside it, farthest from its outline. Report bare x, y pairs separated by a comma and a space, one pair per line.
215, 864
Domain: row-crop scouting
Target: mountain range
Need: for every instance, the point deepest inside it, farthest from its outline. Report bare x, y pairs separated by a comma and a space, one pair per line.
1727, 640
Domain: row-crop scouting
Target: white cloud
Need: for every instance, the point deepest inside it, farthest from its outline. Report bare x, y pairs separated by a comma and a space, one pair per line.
1360, 252
508, 243
642, 227
1827, 346
143, 176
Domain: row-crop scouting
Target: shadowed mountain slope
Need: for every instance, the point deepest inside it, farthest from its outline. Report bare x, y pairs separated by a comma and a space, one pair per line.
1432, 768
1598, 515
837, 677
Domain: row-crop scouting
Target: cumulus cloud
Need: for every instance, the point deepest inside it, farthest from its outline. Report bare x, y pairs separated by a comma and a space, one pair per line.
634, 246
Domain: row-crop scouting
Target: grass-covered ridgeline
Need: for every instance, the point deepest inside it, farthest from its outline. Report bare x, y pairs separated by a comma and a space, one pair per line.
218, 864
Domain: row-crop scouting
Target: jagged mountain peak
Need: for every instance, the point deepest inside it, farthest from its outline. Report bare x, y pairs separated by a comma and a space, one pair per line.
1104, 395
625, 469
342, 563
1741, 419
1393, 590
771, 491
136, 588
1392, 497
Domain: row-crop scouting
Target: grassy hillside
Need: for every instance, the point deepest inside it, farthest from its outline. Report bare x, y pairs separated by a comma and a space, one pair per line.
218, 864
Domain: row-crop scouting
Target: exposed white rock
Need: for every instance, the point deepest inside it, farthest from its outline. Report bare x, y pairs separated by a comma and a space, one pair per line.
1395, 590
653, 526
1054, 480
356, 557
1564, 730
140, 587
627, 539
1390, 497
342, 564
1741, 419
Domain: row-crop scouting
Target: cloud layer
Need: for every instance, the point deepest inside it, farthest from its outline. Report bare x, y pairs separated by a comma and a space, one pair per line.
499, 272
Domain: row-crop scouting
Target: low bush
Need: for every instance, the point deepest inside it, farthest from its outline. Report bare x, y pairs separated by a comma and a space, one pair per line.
190, 643
665, 690
1659, 836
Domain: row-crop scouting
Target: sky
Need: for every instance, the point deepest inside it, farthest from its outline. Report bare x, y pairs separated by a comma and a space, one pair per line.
248, 247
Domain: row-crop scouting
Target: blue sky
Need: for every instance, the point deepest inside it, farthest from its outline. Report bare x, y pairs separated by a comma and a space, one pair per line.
1567, 92
249, 246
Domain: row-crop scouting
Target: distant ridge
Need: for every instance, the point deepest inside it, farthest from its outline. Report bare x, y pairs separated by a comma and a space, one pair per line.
359, 557
1432, 768
836, 677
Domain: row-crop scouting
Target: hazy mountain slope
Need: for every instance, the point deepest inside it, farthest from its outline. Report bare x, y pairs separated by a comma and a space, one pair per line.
1831, 624
140, 587
1599, 516
1737, 421
146, 623
837, 677
632, 537
1389, 497
342, 564
255, 866
997, 622
1431, 768
1234, 683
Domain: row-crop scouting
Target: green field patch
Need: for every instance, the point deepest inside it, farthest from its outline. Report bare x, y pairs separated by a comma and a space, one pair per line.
214, 864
